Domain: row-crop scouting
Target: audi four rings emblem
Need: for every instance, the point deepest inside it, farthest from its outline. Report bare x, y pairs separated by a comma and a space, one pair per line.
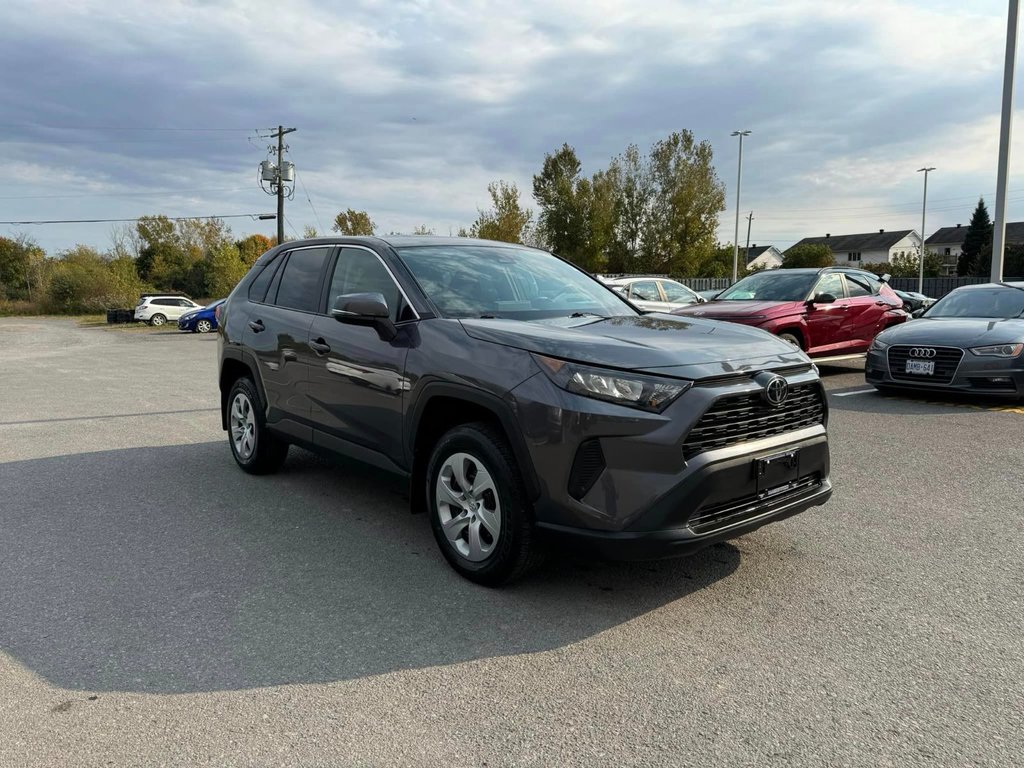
776, 391
922, 352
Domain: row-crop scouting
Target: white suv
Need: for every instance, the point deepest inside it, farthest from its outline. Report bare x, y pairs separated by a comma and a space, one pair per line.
157, 310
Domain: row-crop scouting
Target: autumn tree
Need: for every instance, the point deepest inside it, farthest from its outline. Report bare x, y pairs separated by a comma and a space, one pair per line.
252, 247
351, 222
808, 255
507, 220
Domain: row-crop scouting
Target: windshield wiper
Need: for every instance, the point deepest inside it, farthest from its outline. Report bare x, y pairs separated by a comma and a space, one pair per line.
587, 314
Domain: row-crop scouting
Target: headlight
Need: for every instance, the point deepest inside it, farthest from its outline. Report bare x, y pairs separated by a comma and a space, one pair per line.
651, 393
877, 345
998, 350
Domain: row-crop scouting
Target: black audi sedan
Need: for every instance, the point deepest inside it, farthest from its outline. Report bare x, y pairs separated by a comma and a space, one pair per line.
520, 398
971, 340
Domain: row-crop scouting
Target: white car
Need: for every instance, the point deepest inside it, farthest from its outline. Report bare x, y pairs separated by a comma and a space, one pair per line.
157, 310
655, 294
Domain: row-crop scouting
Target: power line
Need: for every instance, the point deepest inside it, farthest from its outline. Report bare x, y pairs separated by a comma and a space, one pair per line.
253, 216
122, 128
306, 192
169, 193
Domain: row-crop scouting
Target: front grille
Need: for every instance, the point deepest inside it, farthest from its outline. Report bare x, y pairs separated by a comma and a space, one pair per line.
735, 419
737, 510
947, 360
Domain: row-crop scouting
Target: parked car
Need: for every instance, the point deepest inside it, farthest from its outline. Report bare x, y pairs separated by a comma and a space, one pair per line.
520, 397
655, 294
157, 310
825, 312
202, 320
970, 340
913, 301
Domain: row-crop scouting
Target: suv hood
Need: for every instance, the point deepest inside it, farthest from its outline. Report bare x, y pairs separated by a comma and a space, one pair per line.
736, 309
667, 344
957, 332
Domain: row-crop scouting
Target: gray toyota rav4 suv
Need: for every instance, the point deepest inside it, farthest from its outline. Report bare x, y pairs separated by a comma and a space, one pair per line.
522, 398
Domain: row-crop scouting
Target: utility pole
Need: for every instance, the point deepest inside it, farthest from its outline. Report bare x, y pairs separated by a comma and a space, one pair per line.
1005, 124
746, 253
736, 233
924, 208
278, 175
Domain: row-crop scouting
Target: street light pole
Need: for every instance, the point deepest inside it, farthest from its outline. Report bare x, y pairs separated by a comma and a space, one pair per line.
924, 207
1005, 124
736, 233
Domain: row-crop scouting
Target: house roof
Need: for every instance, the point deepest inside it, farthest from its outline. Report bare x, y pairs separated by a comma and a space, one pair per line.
956, 235
867, 241
756, 250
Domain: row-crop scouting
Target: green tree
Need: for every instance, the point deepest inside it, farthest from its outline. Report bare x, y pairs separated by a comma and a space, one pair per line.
22, 266
687, 199
507, 221
634, 195
907, 265
84, 280
564, 199
808, 255
350, 222
224, 267
977, 237
309, 232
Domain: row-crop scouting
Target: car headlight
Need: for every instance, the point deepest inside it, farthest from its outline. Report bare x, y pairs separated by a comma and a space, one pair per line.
877, 345
651, 393
998, 350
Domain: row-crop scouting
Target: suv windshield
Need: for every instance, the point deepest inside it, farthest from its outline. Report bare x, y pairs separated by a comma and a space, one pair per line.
777, 285
515, 283
980, 302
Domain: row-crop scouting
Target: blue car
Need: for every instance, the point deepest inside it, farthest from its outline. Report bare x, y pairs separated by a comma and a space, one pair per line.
201, 320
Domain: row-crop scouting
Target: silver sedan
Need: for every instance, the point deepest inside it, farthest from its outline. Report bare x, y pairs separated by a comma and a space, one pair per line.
971, 340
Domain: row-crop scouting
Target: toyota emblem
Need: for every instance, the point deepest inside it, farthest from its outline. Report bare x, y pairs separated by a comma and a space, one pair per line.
922, 352
776, 391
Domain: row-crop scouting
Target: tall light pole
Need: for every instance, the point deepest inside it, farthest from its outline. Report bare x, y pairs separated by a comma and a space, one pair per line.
999, 228
924, 207
736, 234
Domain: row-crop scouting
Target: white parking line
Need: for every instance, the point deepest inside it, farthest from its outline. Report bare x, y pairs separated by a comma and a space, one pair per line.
856, 392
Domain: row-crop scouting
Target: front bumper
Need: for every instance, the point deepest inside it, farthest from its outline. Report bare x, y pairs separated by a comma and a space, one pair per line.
986, 376
650, 495
187, 325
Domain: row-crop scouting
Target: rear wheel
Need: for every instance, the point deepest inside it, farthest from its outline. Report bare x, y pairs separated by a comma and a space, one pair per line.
790, 338
479, 512
157, 319
204, 326
255, 449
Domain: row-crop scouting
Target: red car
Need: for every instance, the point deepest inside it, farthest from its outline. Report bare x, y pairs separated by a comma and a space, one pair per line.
831, 311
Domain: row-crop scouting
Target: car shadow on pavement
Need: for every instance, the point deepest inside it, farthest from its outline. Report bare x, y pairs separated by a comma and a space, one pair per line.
168, 570
921, 403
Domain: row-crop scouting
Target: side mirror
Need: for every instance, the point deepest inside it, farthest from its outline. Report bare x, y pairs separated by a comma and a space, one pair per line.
917, 312
823, 298
365, 309
701, 300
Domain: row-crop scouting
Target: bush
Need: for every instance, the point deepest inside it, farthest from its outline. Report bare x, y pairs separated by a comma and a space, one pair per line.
83, 281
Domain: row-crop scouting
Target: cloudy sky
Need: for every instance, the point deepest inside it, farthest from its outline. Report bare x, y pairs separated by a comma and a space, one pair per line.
408, 108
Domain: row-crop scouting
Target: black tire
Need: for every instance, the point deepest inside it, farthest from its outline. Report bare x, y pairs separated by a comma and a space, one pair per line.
516, 550
268, 452
790, 338
157, 319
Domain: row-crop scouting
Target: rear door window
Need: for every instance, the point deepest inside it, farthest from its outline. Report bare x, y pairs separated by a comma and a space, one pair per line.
645, 290
258, 288
676, 293
299, 286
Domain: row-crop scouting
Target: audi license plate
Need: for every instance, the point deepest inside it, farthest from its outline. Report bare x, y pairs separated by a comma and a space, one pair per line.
921, 367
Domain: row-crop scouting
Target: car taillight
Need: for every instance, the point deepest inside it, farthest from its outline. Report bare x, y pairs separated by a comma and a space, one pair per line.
217, 312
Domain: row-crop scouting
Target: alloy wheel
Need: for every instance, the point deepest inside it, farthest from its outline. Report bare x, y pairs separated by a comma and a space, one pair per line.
243, 426
158, 320
204, 326
468, 506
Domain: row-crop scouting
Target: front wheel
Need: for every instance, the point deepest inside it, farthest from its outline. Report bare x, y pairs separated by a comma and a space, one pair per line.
255, 449
204, 326
157, 319
790, 338
479, 512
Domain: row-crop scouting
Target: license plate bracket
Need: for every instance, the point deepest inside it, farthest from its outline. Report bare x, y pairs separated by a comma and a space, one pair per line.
921, 367
777, 470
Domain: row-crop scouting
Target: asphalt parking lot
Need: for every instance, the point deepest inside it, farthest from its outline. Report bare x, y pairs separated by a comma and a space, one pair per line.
158, 606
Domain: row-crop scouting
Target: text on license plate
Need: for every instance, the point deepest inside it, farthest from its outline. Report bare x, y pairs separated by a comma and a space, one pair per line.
921, 367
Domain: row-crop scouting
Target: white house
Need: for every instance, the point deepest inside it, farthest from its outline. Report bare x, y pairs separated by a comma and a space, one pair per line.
869, 247
763, 257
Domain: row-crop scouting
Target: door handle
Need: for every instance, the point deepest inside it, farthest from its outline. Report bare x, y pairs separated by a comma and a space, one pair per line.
320, 346
257, 326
